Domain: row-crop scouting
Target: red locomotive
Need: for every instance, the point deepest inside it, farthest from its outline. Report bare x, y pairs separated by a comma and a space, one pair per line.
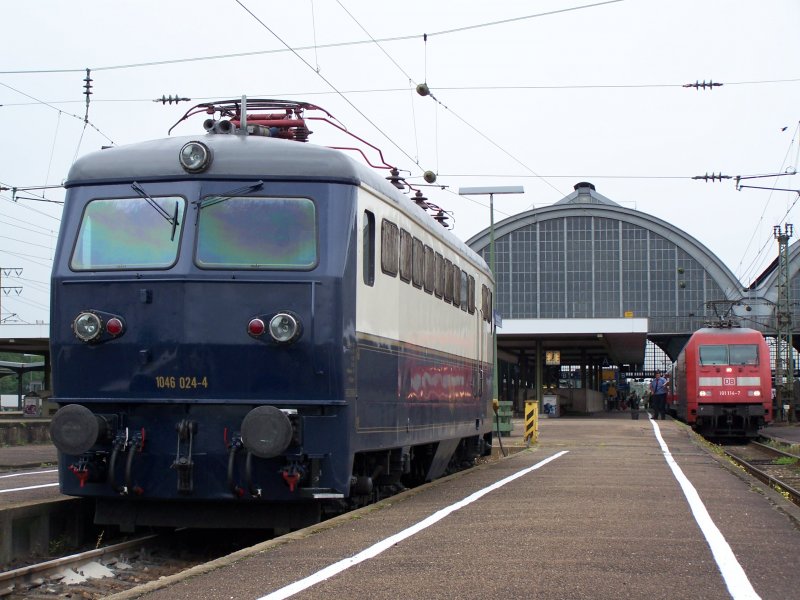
722, 382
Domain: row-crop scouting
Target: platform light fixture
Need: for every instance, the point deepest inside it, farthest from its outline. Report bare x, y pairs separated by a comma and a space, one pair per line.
491, 191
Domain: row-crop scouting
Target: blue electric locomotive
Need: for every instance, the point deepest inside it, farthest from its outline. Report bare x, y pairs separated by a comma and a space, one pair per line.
250, 331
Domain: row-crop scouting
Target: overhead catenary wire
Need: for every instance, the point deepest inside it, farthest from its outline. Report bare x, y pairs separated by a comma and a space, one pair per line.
52, 149
454, 88
769, 242
314, 30
444, 106
20, 227
25, 207
760, 258
38, 101
14, 206
26, 242
396, 64
32, 259
314, 47
333, 87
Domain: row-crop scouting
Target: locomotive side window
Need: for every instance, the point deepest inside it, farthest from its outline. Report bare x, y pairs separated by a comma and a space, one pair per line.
439, 276
456, 286
430, 269
486, 304
471, 295
390, 247
448, 281
464, 291
368, 235
258, 233
128, 233
418, 263
405, 255
714, 355
744, 354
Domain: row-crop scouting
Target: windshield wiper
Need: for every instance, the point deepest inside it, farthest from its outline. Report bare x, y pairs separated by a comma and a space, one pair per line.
246, 189
172, 220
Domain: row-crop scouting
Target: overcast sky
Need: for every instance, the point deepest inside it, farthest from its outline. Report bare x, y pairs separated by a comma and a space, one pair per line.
539, 93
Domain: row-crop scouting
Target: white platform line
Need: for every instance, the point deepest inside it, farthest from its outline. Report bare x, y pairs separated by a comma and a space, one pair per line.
30, 487
376, 549
735, 578
28, 473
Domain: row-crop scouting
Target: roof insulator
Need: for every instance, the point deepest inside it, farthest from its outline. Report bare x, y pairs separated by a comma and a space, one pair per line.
396, 180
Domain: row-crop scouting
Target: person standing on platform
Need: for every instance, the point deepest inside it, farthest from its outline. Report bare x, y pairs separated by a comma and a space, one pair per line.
658, 396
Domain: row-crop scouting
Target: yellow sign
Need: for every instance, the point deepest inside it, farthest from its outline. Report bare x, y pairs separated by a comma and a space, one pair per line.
552, 357
609, 375
628, 314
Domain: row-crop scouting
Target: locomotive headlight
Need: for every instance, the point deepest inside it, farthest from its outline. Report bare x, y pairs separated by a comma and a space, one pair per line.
704, 394
87, 326
195, 157
285, 328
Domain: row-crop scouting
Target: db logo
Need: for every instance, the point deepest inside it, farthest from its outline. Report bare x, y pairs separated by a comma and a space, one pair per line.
729, 381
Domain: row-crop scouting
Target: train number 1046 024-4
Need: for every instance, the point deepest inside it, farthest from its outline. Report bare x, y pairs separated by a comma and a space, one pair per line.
171, 382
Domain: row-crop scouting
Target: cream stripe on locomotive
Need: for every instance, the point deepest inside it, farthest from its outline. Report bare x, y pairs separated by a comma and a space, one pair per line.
396, 309
740, 381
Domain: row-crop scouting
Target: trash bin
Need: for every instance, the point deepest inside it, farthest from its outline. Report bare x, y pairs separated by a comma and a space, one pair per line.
634, 408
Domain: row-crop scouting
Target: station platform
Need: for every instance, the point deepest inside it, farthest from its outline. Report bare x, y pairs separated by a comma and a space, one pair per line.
784, 433
600, 507
27, 456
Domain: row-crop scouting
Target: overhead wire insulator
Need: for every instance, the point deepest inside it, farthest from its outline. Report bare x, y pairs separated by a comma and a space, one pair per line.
713, 177
87, 87
698, 85
170, 99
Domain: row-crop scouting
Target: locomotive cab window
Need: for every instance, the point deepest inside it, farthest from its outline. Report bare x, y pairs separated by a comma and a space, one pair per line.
714, 355
258, 233
129, 233
744, 354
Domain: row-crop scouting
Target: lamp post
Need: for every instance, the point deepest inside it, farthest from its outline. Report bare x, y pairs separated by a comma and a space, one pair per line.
491, 191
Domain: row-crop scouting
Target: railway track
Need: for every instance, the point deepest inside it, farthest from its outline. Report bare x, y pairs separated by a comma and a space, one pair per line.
776, 468
115, 568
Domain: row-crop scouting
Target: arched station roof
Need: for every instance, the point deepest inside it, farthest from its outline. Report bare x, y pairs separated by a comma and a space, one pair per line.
587, 257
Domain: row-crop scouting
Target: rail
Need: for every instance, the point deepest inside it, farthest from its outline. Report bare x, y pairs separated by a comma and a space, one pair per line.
769, 472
